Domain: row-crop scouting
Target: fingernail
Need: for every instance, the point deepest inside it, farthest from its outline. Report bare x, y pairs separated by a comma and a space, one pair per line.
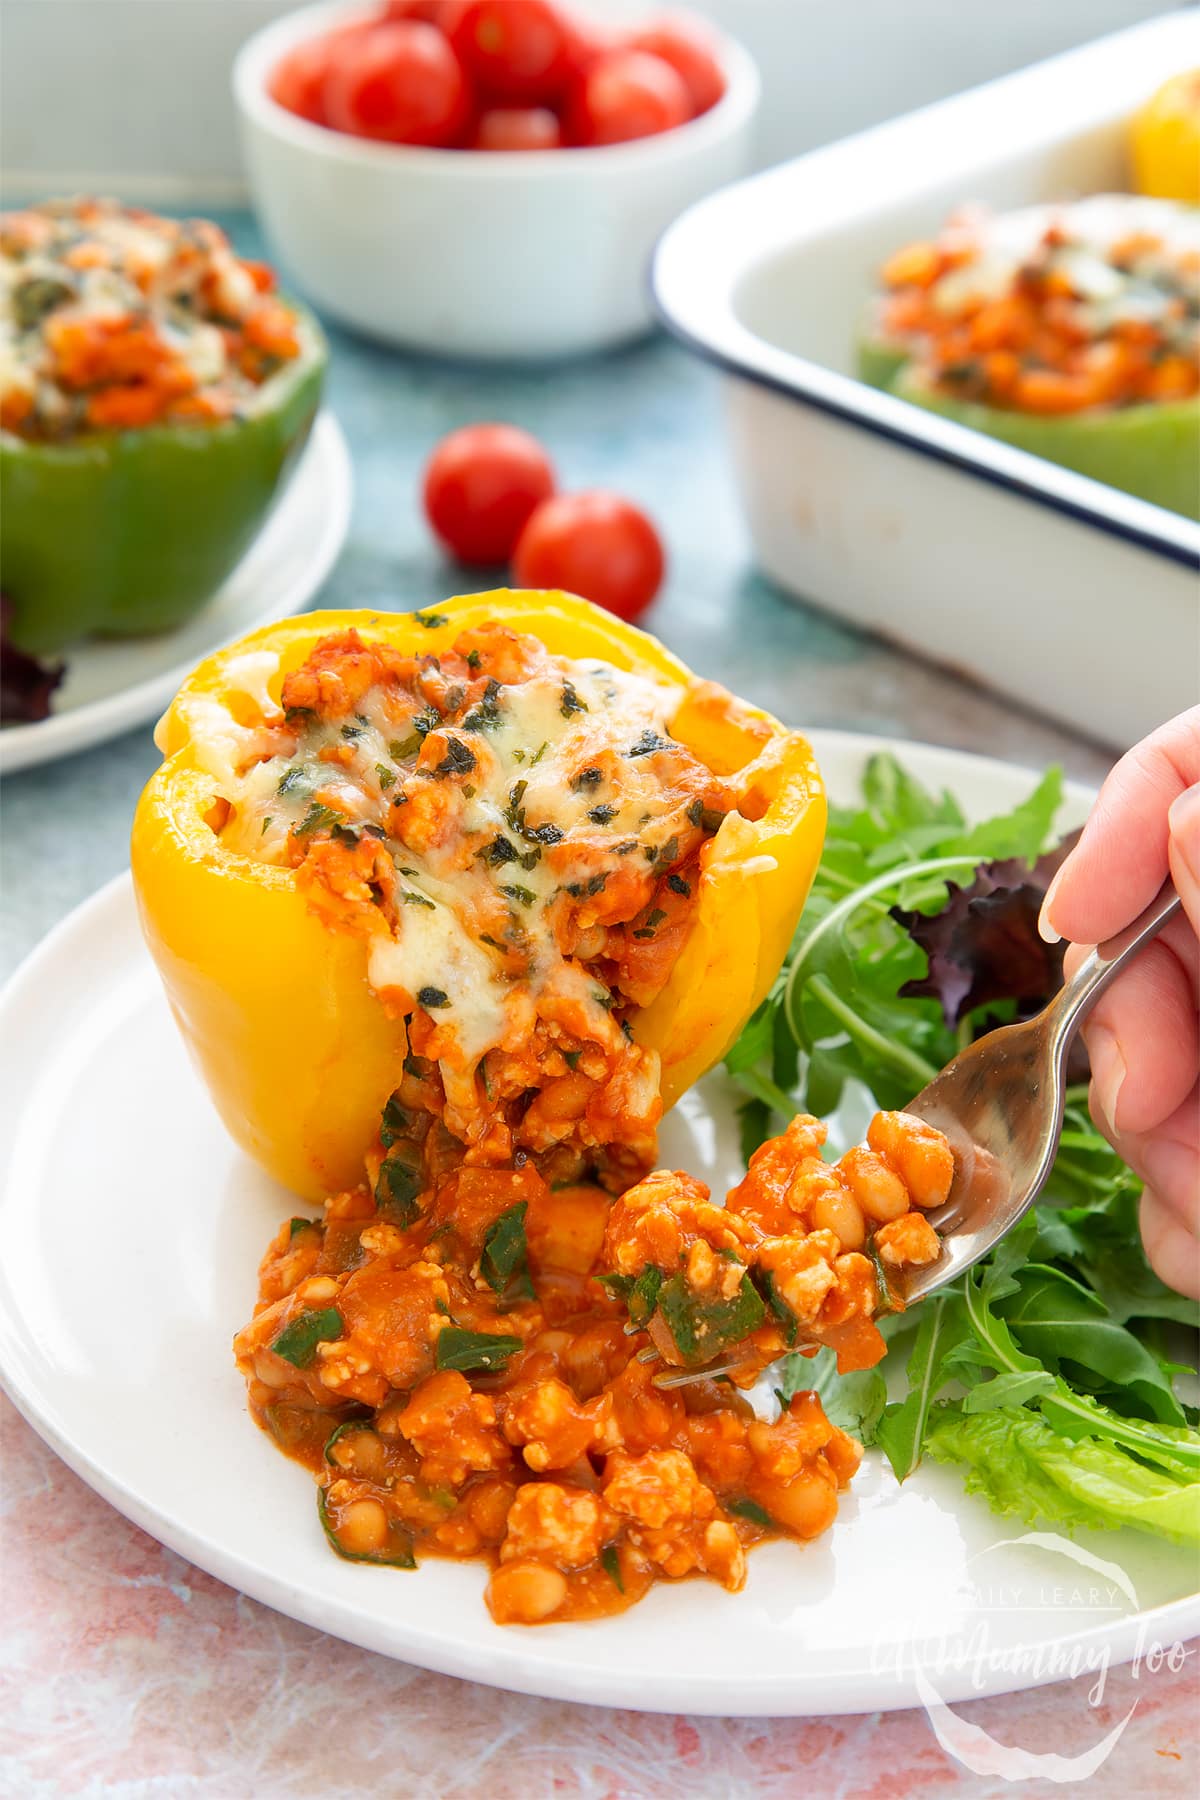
1183, 822
1108, 1072
1046, 930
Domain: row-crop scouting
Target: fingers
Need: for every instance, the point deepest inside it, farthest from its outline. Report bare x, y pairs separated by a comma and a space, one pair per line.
1168, 1160
1172, 1251
1121, 860
1183, 822
1143, 1035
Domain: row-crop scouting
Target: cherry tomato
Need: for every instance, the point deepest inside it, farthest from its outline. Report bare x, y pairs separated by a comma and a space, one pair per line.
429, 12
627, 94
297, 80
481, 485
693, 51
514, 50
398, 83
517, 128
594, 544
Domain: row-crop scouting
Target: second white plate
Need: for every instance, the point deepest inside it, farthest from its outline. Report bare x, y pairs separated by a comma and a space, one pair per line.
113, 684
132, 1229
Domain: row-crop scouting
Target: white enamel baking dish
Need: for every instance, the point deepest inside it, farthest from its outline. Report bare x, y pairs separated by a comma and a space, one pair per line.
1080, 601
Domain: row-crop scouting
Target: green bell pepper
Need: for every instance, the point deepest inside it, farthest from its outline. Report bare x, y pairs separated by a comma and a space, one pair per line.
124, 532
1152, 451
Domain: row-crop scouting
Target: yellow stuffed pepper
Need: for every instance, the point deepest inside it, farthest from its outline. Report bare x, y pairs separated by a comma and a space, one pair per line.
505, 874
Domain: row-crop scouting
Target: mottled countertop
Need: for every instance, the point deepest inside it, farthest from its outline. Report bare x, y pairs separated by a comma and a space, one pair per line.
126, 1673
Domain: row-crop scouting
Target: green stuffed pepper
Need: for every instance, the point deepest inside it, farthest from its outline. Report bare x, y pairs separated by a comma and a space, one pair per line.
1071, 332
155, 394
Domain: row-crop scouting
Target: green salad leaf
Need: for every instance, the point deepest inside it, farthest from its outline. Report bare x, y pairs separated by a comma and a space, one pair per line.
1047, 1374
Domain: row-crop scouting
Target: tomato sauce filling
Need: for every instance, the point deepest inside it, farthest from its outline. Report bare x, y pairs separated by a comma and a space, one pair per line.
113, 318
1055, 310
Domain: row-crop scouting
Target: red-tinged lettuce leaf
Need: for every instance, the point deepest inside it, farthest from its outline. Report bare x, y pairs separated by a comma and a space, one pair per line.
26, 685
983, 946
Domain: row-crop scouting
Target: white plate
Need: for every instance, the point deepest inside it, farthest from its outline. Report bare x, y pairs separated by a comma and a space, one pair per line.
132, 1230
113, 684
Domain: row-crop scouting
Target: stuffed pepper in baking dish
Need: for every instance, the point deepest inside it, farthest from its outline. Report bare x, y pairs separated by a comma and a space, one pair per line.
1069, 331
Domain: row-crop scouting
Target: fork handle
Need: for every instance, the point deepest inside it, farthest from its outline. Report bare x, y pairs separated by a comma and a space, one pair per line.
1102, 964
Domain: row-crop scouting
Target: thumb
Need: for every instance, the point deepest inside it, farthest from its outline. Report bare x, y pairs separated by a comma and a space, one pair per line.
1183, 822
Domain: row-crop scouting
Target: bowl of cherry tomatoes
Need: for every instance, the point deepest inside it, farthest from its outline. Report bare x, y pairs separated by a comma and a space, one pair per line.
486, 178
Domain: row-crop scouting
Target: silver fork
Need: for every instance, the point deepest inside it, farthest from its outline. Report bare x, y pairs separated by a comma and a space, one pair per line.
1000, 1102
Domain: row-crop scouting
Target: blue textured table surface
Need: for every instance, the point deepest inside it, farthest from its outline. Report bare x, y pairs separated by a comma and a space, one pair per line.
645, 421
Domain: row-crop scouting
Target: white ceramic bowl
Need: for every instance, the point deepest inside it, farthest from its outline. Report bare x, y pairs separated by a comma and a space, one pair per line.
536, 254
1077, 600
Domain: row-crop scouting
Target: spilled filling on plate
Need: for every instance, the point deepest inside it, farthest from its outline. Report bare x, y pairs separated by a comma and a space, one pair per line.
1052, 310
493, 1368
113, 318
479, 1351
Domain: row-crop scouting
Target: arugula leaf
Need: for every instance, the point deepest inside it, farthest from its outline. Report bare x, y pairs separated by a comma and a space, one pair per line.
901, 1431
854, 1401
1057, 1320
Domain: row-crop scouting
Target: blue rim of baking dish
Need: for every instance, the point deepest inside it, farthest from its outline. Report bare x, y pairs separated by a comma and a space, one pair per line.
806, 392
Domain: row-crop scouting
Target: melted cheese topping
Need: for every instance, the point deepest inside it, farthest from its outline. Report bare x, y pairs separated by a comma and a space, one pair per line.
566, 790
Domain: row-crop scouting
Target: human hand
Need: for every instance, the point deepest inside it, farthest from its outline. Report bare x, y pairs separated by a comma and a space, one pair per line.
1143, 1035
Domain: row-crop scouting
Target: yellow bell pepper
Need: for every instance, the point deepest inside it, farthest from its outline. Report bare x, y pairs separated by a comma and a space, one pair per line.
1164, 141
275, 1006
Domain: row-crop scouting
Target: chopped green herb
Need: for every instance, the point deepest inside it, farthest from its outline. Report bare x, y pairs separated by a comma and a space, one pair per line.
486, 711
653, 919
702, 1328
297, 1342
398, 1553
352, 732
410, 897
498, 852
538, 754
387, 777
745, 1508
458, 760
398, 1187
779, 1306
266, 822
504, 1262
468, 1351
649, 743
602, 814
292, 779
433, 996
295, 715
543, 834
705, 818
393, 1124
525, 895
431, 620
678, 885
571, 703
318, 818
571, 1058
468, 791
486, 938
586, 778
297, 1225
473, 659
643, 1295
610, 1562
